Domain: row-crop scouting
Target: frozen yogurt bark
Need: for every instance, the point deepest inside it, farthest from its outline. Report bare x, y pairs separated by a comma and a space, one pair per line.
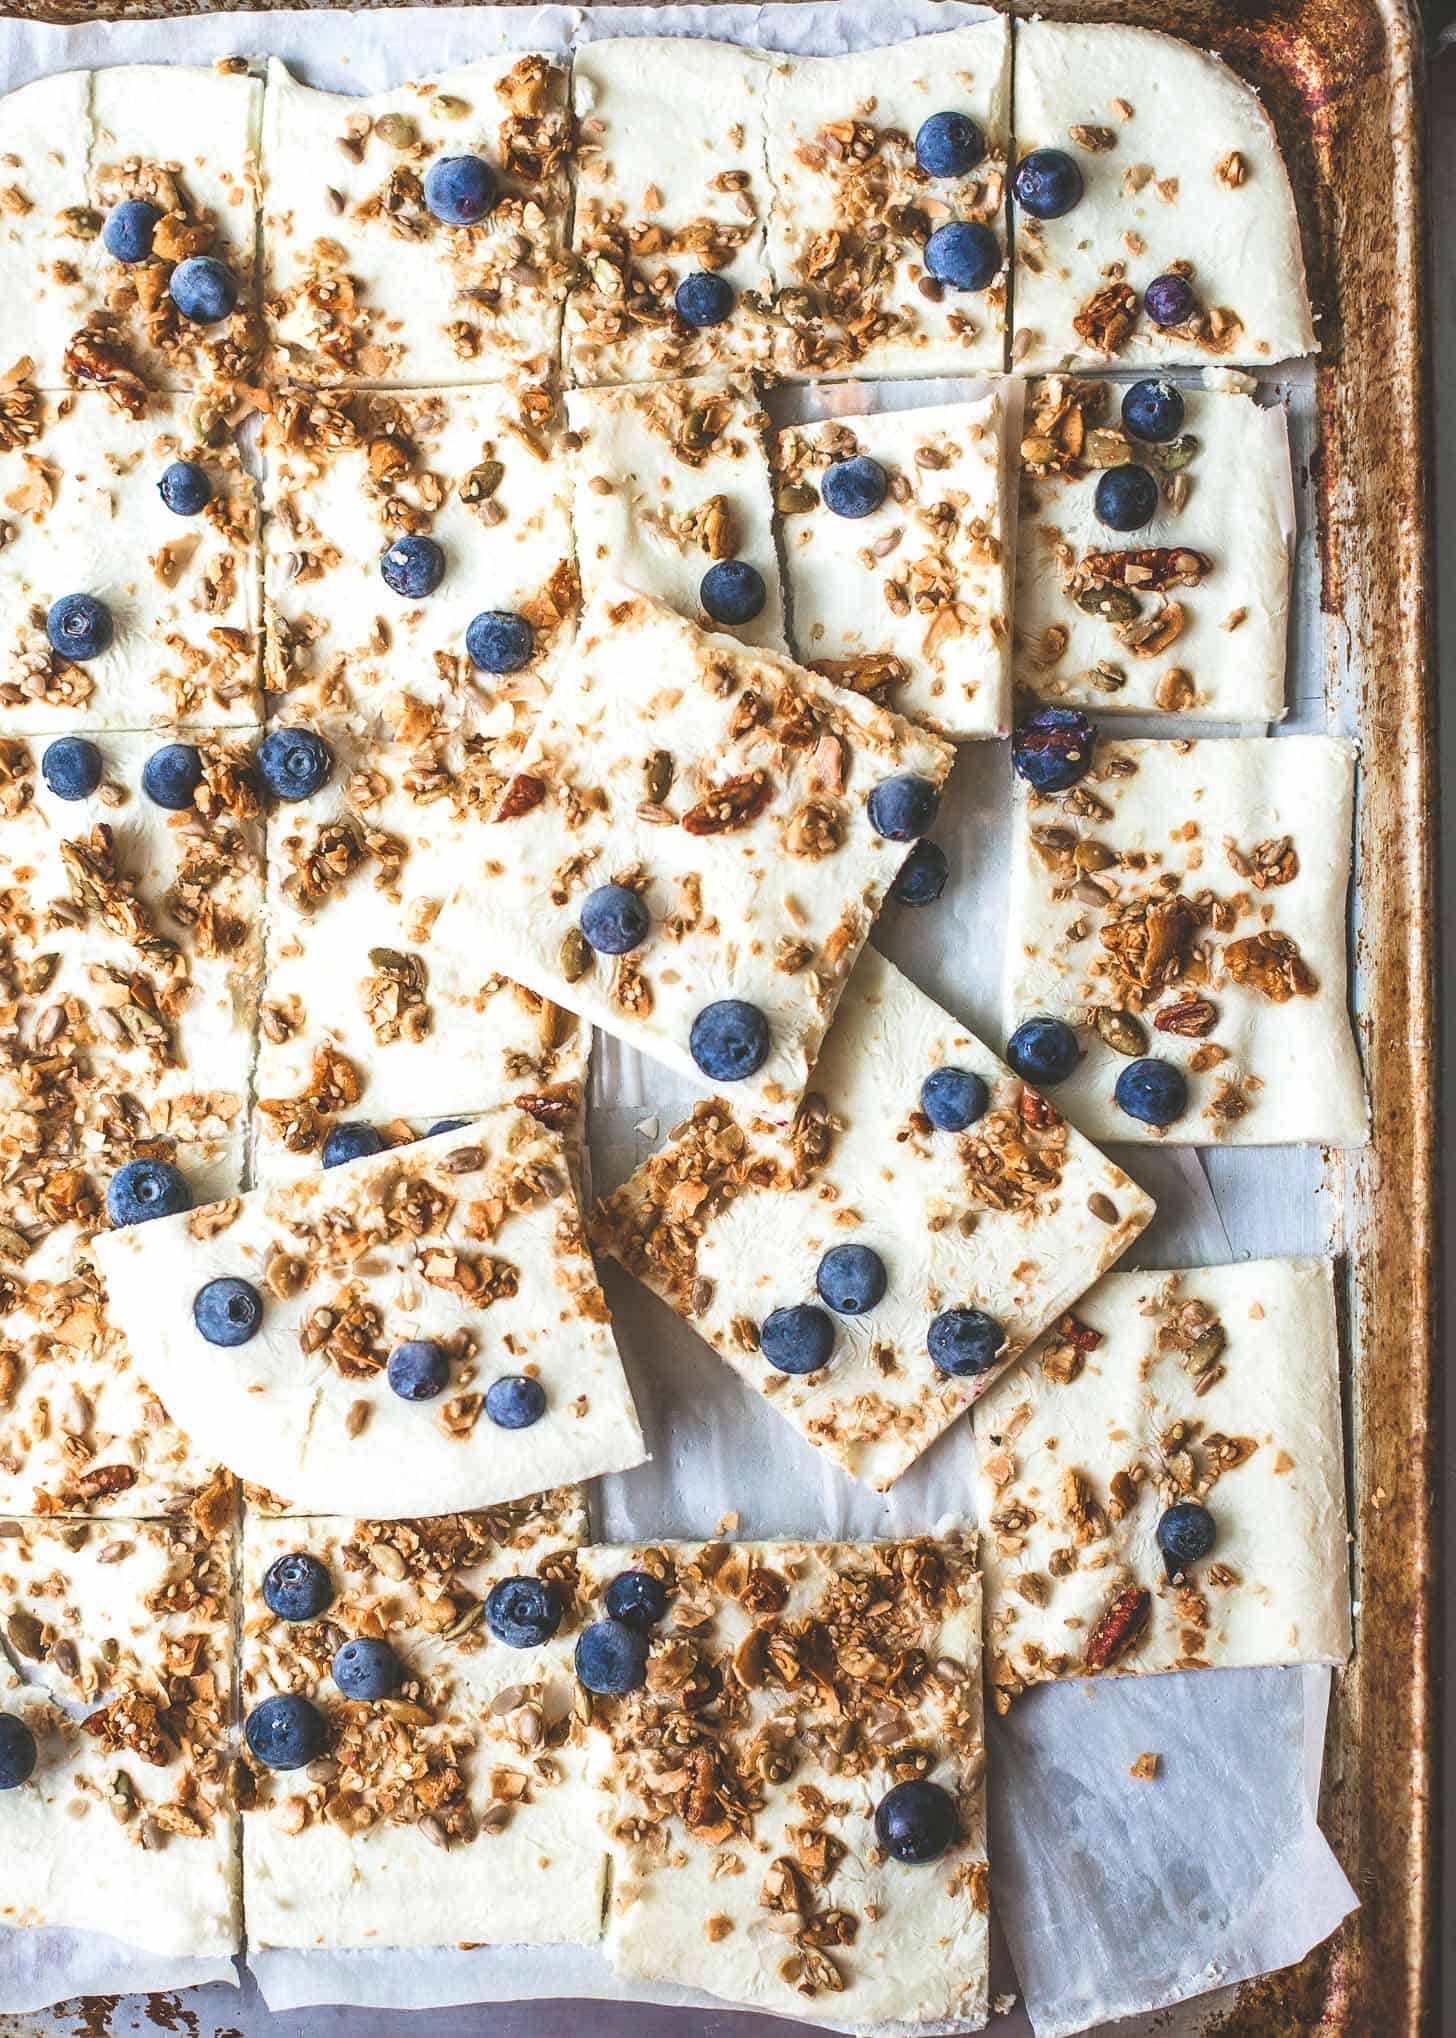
45, 222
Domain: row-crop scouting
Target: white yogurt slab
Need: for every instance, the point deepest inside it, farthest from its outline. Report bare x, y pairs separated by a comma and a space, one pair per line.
44, 142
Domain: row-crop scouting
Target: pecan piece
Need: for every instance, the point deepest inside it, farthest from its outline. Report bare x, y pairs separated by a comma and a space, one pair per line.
731, 805
101, 364
553, 1107
1192, 1017
1106, 320
523, 793
1149, 568
1119, 1629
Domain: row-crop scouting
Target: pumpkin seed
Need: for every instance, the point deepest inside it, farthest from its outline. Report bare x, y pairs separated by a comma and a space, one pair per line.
576, 955
1117, 604
1123, 1033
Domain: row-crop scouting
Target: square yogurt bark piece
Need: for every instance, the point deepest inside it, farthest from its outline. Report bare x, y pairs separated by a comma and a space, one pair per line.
365, 279
979, 1236
1213, 1392
856, 204
910, 604
1178, 182
729, 793
1189, 613
44, 222
1182, 908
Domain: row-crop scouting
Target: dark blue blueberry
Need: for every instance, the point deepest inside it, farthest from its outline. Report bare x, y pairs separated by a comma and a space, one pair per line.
611, 1658
703, 299
1170, 301
798, 1339
418, 1370
1153, 1091
732, 591
1052, 749
964, 1342
127, 234
949, 144
446, 1125
1047, 184
851, 1279
17, 1752
524, 1613
515, 1401
729, 1040
144, 1189
171, 776
294, 763
185, 488
498, 640
1186, 1534
1125, 498
351, 1143
854, 487
953, 1099
904, 807
637, 1598
413, 567
1043, 1051
922, 877
917, 1821
365, 1668
228, 1311
461, 190
204, 290
297, 1587
71, 767
79, 626
963, 255
1153, 410
614, 919
286, 1732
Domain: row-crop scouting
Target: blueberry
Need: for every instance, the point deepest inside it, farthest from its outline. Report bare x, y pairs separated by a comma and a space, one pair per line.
515, 1402
904, 807
1153, 410
703, 299
1170, 301
1043, 1051
413, 567
851, 1279
294, 763
732, 591
351, 1143
461, 190
204, 290
71, 767
286, 1732
614, 919
79, 626
1153, 1091
916, 1821
418, 1370
1185, 1534
185, 488
952, 1099
965, 1341
963, 255
171, 776
1125, 498
447, 1125
637, 1598
949, 144
127, 234
524, 1613
365, 1668
611, 1658
498, 640
796, 1340
144, 1189
729, 1040
854, 487
1047, 184
1052, 749
297, 1587
922, 877
228, 1311
17, 1752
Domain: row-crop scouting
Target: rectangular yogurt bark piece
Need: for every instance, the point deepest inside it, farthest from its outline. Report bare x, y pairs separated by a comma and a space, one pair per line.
1217, 1387
730, 789
790, 1688
79, 502
1189, 614
470, 1242
44, 222
122, 1635
670, 478
1186, 902
1011, 1218
853, 210
671, 183
457, 1811
912, 603
477, 472
1181, 176
362, 281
